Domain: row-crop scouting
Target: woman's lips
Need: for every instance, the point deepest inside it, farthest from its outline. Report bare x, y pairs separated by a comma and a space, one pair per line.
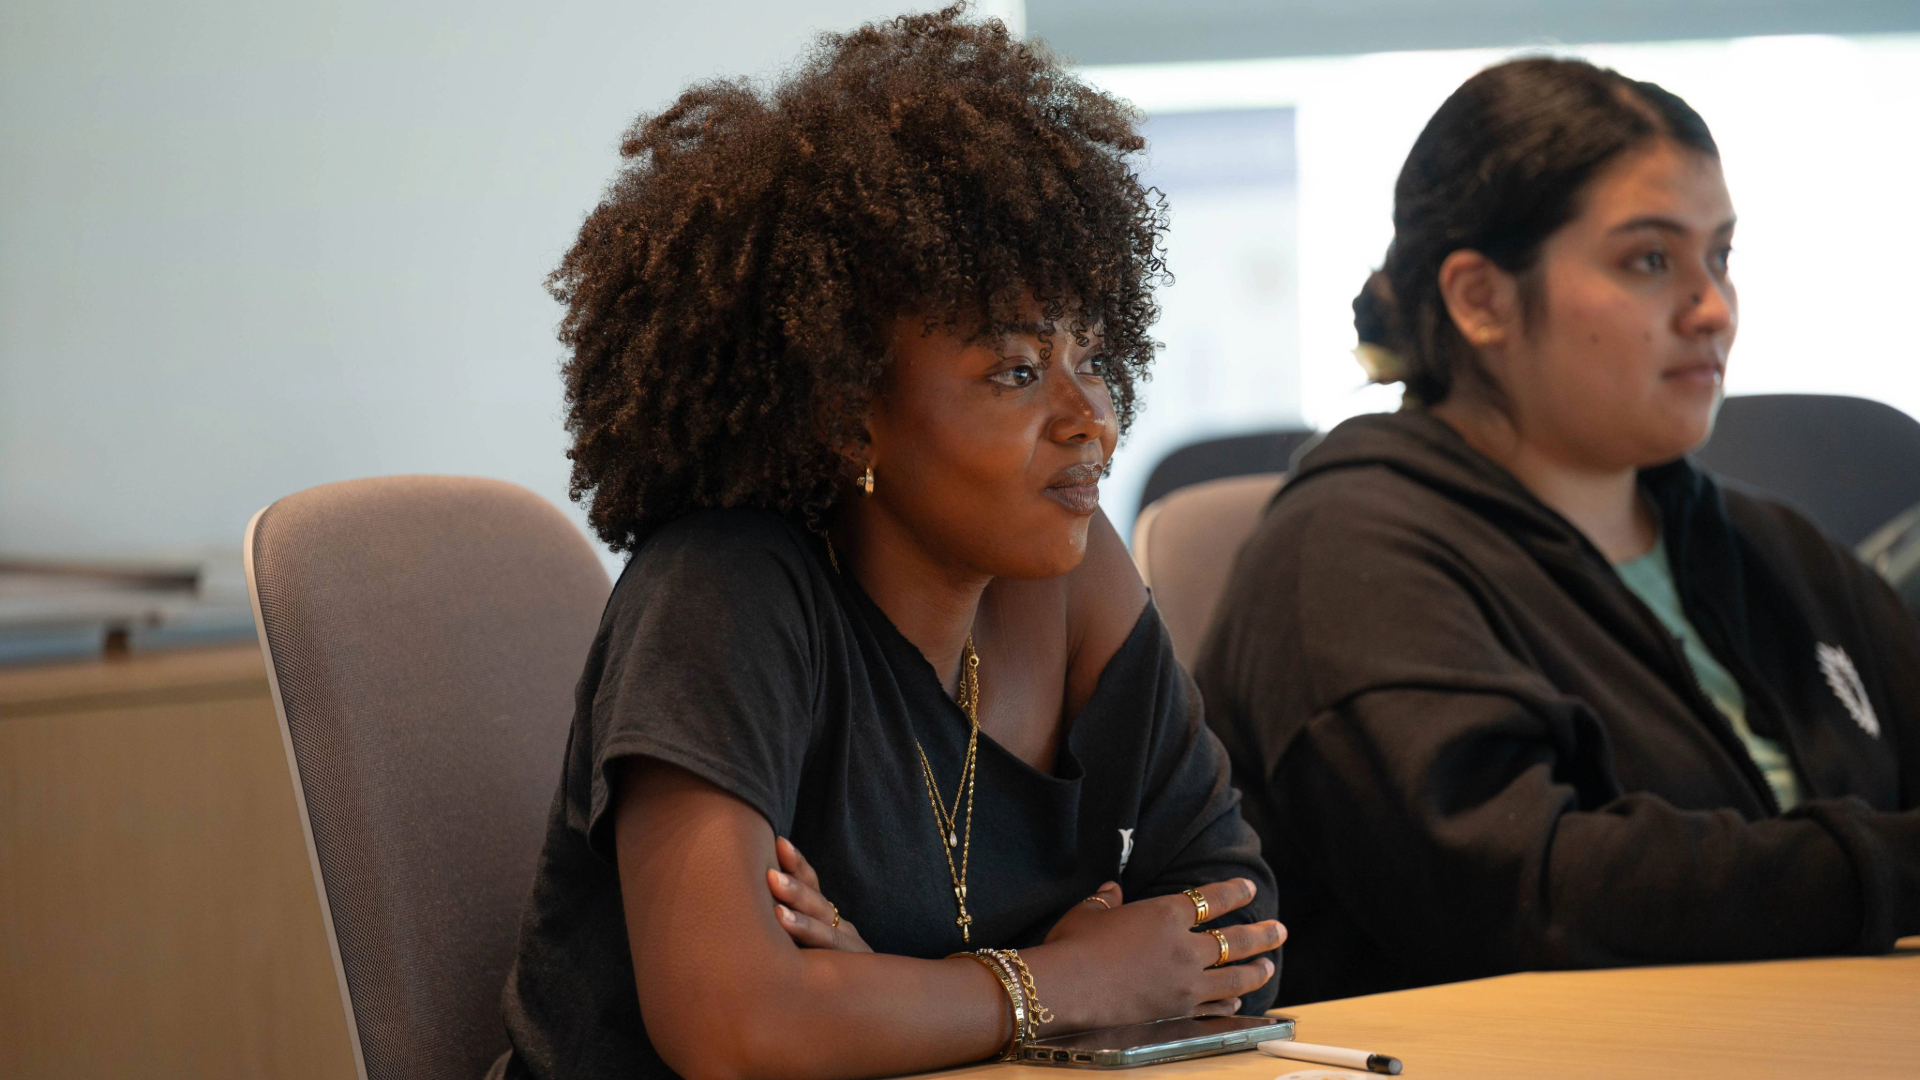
1079, 498
1705, 373
1076, 487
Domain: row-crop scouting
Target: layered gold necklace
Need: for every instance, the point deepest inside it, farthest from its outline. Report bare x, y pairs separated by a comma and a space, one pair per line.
955, 835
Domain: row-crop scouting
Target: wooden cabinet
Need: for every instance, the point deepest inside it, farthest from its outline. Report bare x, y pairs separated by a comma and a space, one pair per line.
157, 913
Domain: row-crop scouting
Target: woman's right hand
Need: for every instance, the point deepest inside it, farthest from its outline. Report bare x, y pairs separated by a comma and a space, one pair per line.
1148, 960
805, 913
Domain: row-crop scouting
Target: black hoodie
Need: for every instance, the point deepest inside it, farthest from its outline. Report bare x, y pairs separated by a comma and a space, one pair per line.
1469, 749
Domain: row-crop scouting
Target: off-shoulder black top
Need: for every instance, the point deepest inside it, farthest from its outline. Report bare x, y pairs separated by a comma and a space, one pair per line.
733, 649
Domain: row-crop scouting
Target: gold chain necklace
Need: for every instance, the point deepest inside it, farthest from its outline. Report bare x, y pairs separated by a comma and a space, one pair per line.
952, 834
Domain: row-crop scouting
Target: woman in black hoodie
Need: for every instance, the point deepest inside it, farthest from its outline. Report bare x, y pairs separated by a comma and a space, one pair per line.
1508, 682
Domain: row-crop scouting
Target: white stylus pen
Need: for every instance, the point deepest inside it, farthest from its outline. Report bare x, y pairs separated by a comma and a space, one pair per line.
1332, 1055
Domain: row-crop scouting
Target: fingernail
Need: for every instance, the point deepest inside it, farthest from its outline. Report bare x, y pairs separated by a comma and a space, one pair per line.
1268, 964
785, 881
1252, 889
786, 913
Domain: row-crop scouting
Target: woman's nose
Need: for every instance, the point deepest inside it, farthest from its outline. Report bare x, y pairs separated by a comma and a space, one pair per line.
1710, 307
1082, 412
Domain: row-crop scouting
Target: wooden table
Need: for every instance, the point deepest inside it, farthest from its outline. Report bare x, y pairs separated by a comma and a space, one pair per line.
158, 919
1830, 1019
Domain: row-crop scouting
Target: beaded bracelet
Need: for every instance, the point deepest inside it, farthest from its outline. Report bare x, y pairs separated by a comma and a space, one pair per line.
1012, 974
1016, 997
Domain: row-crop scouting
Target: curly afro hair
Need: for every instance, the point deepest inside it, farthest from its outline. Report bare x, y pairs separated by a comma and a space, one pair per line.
729, 301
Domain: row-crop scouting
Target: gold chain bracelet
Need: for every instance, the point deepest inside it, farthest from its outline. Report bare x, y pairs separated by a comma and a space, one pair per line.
1037, 1013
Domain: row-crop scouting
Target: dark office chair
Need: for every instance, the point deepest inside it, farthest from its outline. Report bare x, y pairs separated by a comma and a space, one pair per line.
1850, 464
423, 635
1214, 459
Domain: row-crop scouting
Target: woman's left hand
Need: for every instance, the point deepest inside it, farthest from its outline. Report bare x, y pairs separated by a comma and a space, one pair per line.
804, 913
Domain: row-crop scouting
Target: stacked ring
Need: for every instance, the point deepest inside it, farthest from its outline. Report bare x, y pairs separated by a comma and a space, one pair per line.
836, 915
1101, 900
1225, 953
1199, 906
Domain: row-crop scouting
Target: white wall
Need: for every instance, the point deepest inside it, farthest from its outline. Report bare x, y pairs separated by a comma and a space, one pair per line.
250, 247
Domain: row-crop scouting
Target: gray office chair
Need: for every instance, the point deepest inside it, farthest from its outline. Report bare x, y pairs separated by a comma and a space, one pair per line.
423, 635
1185, 543
1850, 464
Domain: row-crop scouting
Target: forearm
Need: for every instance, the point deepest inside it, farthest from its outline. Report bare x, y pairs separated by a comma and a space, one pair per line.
824, 1014
1641, 881
871, 1014
724, 993
1520, 878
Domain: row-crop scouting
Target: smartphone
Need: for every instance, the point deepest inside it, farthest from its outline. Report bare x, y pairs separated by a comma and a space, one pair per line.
1176, 1039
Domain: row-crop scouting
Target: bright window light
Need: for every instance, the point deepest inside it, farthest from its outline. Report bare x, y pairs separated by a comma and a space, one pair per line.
1816, 135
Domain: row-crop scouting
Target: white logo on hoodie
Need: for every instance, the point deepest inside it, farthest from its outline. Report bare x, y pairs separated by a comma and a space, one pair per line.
1126, 848
1844, 678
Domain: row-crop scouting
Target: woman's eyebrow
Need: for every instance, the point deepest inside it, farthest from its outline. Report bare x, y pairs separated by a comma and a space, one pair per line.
1663, 224
1650, 221
997, 337
994, 335
1040, 331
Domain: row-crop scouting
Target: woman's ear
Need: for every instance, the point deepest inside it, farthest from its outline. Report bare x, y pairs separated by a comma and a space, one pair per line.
856, 453
1482, 299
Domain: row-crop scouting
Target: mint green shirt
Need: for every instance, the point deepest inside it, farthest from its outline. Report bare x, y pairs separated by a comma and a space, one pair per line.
1651, 578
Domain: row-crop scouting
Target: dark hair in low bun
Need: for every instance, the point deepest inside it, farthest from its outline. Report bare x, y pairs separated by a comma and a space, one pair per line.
1499, 168
1373, 313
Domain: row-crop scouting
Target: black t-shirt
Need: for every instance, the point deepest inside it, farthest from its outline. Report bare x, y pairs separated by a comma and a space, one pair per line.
732, 649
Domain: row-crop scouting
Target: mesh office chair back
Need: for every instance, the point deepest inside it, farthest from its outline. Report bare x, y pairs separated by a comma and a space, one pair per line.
1186, 543
423, 637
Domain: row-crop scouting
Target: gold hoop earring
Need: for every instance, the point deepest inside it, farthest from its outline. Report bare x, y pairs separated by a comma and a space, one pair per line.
866, 481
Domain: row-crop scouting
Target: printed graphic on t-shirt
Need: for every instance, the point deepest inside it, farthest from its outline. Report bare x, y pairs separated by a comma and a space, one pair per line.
1844, 678
1126, 848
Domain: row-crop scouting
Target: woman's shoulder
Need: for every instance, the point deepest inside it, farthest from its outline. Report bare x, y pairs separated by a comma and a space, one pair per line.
731, 531
1802, 556
1359, 492
1368, 552
1369, 514
723, 558
742, 538
1770, 521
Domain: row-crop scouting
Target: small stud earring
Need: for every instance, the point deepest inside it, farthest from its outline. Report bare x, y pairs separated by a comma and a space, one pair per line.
866, 481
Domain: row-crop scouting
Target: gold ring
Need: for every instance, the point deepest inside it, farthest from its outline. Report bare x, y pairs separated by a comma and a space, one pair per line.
1225, 953
1199, 906
835, 924
1098, 900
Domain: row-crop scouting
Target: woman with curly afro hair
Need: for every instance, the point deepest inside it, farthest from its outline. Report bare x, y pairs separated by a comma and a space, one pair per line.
849, 357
